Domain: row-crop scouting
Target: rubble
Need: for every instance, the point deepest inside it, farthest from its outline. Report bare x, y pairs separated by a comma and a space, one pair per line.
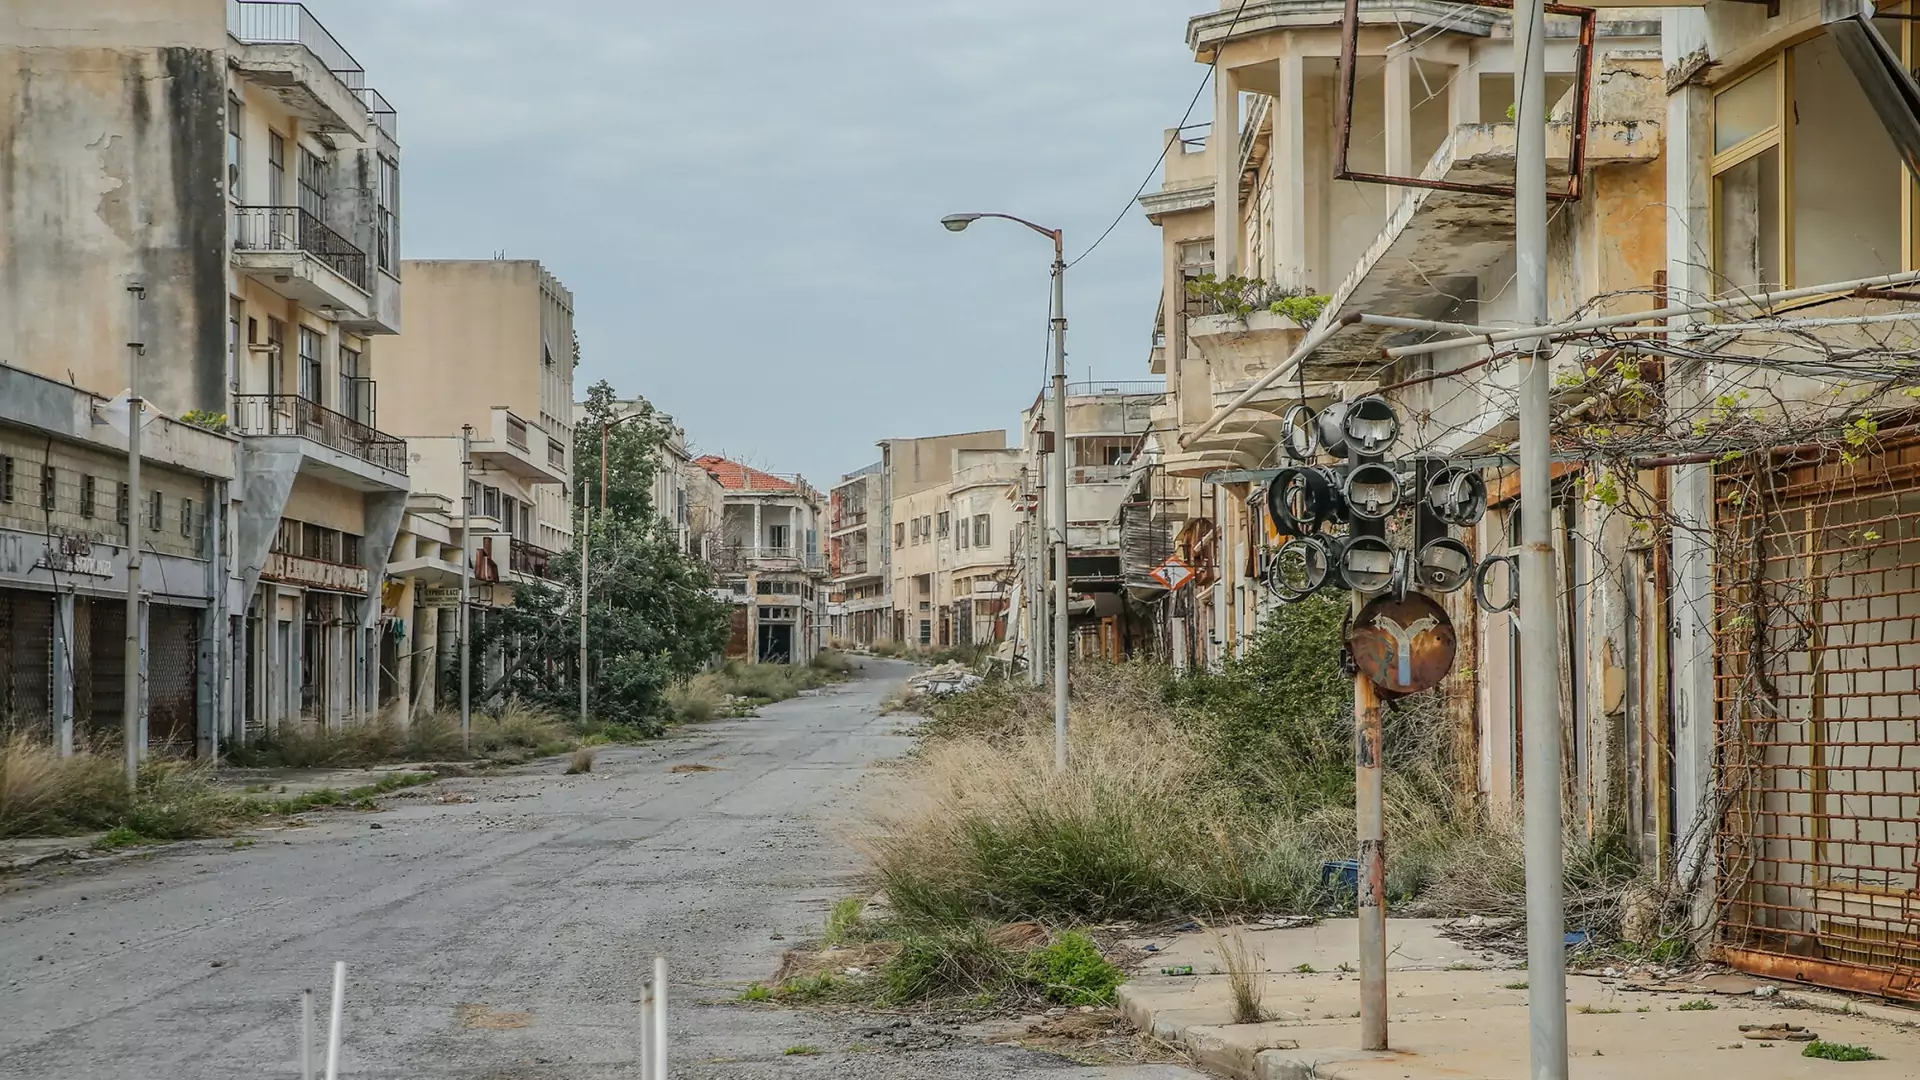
952, 677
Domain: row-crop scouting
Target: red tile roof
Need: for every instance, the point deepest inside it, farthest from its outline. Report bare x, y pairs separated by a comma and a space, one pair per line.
737, 477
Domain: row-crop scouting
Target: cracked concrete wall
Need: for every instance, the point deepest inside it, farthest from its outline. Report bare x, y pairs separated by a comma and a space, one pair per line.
111, 171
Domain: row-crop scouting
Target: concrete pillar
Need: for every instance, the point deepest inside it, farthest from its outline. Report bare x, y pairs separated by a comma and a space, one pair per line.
297, 660
1290, 180
1463, 95
241, 656
64, 643
1225, 141
146, 655
1398, 82
756, 529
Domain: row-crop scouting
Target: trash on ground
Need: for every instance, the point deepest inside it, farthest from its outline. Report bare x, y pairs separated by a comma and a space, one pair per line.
952, 677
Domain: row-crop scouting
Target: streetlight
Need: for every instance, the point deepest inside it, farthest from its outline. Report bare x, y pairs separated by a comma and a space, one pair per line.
1058, 495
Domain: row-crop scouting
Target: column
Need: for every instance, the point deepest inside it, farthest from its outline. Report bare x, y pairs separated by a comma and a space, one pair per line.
755, 549
426, 660
1399, 114
146, 654
1463, 94
64, 640
1225, 141
1290, 162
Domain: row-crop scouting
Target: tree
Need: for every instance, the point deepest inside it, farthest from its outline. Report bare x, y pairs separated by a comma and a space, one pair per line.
652, 618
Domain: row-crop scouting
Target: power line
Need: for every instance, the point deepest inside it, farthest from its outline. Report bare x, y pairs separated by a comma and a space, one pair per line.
1165, 150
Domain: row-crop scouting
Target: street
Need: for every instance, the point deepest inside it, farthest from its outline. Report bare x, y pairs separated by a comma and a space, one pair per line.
500, 937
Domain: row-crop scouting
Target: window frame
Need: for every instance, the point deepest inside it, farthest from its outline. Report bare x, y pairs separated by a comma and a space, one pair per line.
236, 149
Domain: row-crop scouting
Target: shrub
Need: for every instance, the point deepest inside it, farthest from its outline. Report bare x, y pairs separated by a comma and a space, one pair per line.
534, 732
844, 924
832, 662
580, 762
936, 961
1071, 971
44, 794
767, 683
696, 700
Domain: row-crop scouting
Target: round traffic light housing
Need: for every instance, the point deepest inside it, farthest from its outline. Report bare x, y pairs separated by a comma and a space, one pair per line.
1457, 496
1300, 439
1369, 564
1371, 426
1301, 567
1299, 498
1372, 491
1443, 565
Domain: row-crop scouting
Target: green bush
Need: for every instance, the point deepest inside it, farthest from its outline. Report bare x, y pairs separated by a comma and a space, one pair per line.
1071, 971
938, 961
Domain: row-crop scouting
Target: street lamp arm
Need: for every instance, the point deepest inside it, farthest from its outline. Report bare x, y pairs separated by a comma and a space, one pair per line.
957, 222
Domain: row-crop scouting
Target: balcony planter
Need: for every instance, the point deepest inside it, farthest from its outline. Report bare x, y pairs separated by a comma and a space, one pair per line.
1240, 347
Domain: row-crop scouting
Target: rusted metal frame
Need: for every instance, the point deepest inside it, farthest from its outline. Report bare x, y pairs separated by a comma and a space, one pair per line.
1896, 515
1856, 841
1577, 145
1663, 674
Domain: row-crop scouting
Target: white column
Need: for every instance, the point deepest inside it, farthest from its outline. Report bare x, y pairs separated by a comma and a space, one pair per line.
1463, 94
1225, 141
1290, 165
755, 549
1399, 114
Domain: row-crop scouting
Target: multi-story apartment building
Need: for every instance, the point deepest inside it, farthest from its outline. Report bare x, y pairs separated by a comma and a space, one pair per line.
983, 560
858, 609
487, 357
230, 162
914, 475
771, 562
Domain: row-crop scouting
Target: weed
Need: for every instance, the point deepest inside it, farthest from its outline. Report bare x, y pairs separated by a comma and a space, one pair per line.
844, 925
1644, 1009
241, 843
803, 1050
1462, 965
696, 700
1513, 986
45, 794
1071, 971
766, 683
810, 988
1597, 1010
580, 762
120, 836
948, 960
1838, 1051
757, 993
833, 662
1697, 1005
1305, 969
257, 789
1243, 976
1346, 967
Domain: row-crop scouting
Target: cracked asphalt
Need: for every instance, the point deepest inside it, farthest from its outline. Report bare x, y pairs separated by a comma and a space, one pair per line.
493, 928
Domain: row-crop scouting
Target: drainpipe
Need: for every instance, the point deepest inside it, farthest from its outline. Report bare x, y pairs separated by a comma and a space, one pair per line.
130, 704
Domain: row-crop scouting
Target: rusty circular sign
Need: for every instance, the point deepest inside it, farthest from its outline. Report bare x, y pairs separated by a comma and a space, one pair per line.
1403, 645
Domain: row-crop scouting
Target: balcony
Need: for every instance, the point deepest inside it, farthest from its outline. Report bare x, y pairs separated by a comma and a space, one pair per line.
284, 49
520, 449
357, 455
743, 557
531, 560
297, 255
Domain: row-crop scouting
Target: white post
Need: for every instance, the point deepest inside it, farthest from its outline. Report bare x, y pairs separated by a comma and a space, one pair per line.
659, 1018
646, 1030
1539, 591
466, 586
333, 1021
583, 602
130, 705
306, 1035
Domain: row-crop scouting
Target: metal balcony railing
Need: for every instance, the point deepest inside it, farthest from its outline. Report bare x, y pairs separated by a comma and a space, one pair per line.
525, 558
290, 228
1116, 387
290, 414
275, 22
384, 115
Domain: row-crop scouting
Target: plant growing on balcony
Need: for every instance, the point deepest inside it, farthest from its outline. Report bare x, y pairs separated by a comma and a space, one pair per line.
205, 418
1242, 296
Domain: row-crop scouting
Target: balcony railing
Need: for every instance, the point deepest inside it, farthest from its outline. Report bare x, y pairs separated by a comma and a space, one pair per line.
525, 558
744, 556
274, 22
290, 228
516, 432
290, 414
384, 115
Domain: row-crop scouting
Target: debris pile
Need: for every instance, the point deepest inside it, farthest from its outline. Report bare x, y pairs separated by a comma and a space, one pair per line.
952, 677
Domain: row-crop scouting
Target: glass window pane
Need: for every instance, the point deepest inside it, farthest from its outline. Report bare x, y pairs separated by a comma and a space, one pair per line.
1845, 206
1746, 109
1747, 202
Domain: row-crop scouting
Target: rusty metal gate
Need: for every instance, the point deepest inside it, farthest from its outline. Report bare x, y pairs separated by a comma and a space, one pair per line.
173, 684
26, 663
1817, 606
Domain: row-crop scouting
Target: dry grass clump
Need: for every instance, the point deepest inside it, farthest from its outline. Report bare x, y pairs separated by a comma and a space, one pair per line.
357, 742
696, 700
581, 761
1245, 977
44, 794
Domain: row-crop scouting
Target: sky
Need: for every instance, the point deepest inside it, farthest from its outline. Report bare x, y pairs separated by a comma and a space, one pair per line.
745, 197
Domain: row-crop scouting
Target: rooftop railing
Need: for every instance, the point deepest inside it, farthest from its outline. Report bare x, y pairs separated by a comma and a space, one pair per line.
275, 22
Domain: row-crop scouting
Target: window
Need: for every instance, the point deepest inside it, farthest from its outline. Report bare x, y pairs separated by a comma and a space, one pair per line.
900, 534
236, 149
386, 231
86, 496
286, 538
276, 168
507, 514
764, 588
6, 478
778, 537
157, 512
926, 632
123, 504
186, 517
311, 343
962, 538
946, 524
350, 549
236, 345
490, 502
983, 530
356, 397
47, 480
315, 179
276, 341
1807, 186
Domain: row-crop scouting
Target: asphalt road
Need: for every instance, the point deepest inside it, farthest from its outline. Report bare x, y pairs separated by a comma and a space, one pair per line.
492, 928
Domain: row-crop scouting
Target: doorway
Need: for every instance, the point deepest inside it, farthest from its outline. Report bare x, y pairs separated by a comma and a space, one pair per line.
776, 643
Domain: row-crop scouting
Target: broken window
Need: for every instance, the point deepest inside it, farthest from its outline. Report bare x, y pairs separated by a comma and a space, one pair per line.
946, 524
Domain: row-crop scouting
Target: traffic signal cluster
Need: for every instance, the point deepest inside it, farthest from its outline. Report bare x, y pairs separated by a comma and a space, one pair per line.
1333, 502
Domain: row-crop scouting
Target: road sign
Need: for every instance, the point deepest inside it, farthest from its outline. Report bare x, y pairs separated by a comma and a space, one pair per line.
1173, 573
1402, 646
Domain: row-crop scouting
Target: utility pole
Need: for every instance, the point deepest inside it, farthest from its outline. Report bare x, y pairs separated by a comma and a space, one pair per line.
584, 506
1539, 596
1371, 891
130, 706
1062, 638
466, 586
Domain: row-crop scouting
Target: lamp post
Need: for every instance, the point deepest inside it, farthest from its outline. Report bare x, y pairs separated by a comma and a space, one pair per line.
1057, 482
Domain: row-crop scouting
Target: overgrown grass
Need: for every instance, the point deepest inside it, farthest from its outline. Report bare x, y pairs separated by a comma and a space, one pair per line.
697, 700
763, 684
1833, 1051
1071, 971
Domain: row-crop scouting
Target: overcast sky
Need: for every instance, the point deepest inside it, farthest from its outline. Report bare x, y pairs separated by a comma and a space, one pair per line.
744, 196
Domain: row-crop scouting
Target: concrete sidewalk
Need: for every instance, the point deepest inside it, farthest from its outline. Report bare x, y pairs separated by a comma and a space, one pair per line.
1455, 1013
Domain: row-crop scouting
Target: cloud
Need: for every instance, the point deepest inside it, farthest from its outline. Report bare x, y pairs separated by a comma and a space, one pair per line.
744, 197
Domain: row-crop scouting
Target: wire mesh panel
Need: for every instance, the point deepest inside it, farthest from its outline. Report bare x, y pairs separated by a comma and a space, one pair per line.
26, 663
100, 652
173, 664
1818, 644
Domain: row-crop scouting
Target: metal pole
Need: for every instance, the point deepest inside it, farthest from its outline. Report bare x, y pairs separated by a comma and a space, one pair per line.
660, 1018
1062, 638
333, 1023
604, 427
466, 585
1539, 595
130, 704
1036, 581
583, 601
1371, 901
306, 1035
